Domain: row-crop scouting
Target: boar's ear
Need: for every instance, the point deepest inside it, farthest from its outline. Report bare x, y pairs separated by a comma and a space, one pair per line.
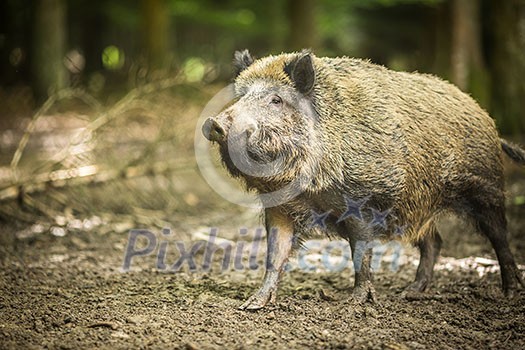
241, 61
302, 73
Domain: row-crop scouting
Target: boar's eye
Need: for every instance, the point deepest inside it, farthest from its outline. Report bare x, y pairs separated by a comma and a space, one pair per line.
276, 100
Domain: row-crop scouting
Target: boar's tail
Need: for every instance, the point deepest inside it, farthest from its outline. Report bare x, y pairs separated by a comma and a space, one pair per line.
515, 152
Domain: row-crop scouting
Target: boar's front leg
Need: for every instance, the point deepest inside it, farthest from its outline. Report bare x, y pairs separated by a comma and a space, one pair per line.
279, 232
362, 256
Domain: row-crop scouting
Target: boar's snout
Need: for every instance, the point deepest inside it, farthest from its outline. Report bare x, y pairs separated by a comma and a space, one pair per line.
213, 131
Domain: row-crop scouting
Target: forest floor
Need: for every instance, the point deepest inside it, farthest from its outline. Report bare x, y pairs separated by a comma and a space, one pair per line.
65, 286
71, 292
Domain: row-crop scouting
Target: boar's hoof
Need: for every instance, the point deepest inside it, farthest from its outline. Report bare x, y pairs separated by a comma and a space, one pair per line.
364, 292
510, 284
417, 286
509, 293
415, 290
258, 301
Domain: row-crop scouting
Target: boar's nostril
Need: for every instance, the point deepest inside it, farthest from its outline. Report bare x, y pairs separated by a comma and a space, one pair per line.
250, 129
213, 131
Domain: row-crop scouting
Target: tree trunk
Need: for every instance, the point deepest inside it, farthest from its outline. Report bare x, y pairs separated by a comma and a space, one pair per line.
301, 18
92, 36
156, 36
468, 69
508, 64
466, 41
49, 38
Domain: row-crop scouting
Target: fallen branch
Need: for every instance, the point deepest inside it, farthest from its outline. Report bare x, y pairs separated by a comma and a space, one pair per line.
84, 175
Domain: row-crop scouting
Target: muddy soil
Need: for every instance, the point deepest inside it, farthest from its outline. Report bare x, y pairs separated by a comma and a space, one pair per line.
71, 292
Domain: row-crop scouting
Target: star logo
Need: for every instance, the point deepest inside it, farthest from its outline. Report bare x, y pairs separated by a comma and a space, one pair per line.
319, 219
400, 230
379, 218
353, 209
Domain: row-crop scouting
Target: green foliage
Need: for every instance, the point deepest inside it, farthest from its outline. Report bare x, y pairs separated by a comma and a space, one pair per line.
519, 200
337, 21
372, 3
194, 69
113, 57
204, 13
124, 14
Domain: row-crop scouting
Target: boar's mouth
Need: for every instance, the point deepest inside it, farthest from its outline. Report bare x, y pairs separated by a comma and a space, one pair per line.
227, 161
250, 159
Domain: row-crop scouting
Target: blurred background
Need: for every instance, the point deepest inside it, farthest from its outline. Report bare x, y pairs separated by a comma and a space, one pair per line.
99, 100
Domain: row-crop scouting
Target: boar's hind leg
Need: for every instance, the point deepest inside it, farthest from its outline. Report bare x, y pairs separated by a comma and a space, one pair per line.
429, 247
279, 236
493, 224
362, 256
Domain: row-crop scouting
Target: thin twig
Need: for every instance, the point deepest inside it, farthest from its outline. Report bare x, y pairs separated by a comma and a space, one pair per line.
50, 102
111, 325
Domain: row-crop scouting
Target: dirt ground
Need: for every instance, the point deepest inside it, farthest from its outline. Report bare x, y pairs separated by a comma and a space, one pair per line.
70, 292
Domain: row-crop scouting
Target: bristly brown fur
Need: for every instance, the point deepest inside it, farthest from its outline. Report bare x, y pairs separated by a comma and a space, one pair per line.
411, 142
